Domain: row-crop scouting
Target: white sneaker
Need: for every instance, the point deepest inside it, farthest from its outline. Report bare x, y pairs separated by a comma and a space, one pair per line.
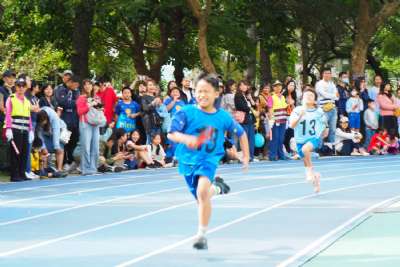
355, 153
365, 153
72, 167
316, 182
66, 167
169, 165
31, 175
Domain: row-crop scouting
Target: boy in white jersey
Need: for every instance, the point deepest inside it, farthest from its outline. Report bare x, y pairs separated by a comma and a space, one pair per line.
309, 123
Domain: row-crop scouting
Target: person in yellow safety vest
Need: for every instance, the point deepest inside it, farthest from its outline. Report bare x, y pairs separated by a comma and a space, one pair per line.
18, 130
278, 112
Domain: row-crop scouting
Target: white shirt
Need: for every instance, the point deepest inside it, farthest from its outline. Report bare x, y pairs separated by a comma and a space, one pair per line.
327, 92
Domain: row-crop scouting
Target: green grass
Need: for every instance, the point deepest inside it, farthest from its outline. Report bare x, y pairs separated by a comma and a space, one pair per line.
4, 177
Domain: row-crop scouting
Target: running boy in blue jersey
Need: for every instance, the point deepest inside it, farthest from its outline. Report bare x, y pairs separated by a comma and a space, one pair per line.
198, 160
309, 123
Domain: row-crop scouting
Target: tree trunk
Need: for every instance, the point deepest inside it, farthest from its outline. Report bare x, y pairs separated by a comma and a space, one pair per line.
305, 56
179, 35
376, 66
205, 59
250, 73
83, 22
265, 66
367, 25
202, 19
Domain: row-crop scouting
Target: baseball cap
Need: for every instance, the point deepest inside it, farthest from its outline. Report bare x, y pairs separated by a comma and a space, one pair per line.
20, 81
9, 73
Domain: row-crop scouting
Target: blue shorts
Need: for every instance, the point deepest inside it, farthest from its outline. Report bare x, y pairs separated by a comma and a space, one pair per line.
316, 142
354, 120
193, 172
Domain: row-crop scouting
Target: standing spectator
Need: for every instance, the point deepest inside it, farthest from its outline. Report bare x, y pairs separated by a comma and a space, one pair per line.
228, 97
31, 95
5, 91
387, 107
108, 97
263, 111
354, 106
66, 99
151, 120
48, 99
278, 113
174, 102
171, 84
187, 92
291, 97
89, 134
66, 76
18, 130
126, 111
374, 90
371, 122
244, 103
344, 93
397, 103
49, 127
327, 95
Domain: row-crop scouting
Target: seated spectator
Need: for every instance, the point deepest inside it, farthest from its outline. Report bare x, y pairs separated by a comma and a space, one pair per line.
156, 151
379, 144
115, 152
49, 127
39, 161
140, 151
393, 143
347, 142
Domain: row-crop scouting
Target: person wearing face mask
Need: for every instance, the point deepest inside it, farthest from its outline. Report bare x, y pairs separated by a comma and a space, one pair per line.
354, 106
343, 90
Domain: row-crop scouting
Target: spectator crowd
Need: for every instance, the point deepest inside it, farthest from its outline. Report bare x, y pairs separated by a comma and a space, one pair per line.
85, 127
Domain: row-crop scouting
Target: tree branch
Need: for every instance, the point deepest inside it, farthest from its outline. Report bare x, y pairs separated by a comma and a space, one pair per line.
194, 5
388, 9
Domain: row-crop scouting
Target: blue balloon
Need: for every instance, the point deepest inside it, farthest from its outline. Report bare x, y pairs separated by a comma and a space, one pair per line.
259, 140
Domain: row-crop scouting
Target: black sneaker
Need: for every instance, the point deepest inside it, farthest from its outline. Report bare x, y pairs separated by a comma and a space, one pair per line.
118, 169
200, 243
225, 189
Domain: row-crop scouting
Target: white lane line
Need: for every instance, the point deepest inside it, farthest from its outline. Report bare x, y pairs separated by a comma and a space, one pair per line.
19, 200
137, 217
271, 167
323, 239
246, 217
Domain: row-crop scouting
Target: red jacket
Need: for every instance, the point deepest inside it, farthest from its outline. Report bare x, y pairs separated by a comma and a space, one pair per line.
109, 99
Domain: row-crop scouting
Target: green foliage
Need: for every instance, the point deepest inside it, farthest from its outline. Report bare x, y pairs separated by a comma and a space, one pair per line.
39, 62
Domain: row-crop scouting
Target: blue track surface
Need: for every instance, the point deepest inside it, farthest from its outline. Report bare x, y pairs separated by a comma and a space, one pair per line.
147, 218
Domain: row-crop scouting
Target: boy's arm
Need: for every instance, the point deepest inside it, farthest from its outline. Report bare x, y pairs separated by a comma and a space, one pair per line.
295, 118
176, 134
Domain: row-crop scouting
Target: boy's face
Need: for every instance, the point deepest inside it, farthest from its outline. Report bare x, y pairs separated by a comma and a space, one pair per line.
205, 94
309, 98
371, 105
126, 94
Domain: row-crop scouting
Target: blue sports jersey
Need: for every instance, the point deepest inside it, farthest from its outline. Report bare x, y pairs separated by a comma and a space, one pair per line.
311, 125
177, 106
191, 120
123, 110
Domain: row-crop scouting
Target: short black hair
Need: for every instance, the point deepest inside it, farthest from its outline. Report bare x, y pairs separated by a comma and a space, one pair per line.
212, 79
342, 73
37, 143
370, 101
126, 88
312, 91
326, 69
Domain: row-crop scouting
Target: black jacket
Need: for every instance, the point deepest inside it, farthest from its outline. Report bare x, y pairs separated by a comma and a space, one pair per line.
241, 105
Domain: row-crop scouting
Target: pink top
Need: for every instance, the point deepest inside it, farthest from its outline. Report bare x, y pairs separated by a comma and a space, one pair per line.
82, 107
386, 105
9, 111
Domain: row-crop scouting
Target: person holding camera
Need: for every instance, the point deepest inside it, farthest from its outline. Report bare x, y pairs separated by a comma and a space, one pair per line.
89, 133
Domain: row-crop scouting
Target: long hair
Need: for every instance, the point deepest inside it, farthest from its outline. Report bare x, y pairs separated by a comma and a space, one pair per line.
382, 89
